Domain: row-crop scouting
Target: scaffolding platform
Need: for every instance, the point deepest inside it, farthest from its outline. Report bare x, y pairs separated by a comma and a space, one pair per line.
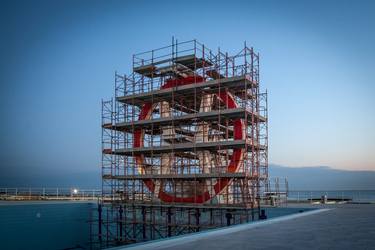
213, 86
183, 176
236, 113
178, 206
186, 147
177, 66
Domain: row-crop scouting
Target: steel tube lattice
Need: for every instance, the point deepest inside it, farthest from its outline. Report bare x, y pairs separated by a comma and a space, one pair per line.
184, 144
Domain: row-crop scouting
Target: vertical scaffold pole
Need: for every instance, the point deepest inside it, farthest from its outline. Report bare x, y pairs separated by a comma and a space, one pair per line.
120, 221
197, 216
144, 223
169, 221
100, 222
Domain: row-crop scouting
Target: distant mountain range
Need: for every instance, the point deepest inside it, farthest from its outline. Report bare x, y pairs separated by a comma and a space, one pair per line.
299, 178
324, 178
51, 179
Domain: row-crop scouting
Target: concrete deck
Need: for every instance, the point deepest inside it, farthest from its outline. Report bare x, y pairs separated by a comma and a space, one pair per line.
347, 226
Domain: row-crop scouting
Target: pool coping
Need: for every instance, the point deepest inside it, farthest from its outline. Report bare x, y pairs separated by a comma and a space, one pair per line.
186, 238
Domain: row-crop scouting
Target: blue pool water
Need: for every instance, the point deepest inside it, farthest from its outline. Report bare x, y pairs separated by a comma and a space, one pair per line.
28, 225
59, 225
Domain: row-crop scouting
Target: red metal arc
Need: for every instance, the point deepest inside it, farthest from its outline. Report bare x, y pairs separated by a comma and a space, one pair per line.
234, 163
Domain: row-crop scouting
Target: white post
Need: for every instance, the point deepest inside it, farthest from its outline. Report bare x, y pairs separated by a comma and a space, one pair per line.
359, 196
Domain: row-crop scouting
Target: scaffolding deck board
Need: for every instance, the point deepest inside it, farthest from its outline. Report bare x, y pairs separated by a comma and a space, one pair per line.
166, 94
181, 176
185, 119
190, 62
158, 204
184, 147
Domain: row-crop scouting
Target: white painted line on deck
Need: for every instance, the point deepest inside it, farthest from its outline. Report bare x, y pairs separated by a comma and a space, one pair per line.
178, 240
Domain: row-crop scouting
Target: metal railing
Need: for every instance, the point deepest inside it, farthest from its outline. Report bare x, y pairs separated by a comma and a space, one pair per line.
94, 194
336, 195
49, 194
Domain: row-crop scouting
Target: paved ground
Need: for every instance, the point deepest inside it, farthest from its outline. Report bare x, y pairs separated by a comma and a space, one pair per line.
347, 226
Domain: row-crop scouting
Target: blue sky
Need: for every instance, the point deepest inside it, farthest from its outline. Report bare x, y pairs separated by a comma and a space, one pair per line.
58, 61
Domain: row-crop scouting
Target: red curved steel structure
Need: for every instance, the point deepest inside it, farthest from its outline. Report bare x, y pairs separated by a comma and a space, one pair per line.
235, 160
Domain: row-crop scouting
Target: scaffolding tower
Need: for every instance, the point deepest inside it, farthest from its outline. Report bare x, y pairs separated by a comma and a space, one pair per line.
184, 144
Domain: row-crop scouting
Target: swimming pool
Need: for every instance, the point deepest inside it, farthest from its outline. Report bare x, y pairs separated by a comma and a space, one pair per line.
44, 225
61, 225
